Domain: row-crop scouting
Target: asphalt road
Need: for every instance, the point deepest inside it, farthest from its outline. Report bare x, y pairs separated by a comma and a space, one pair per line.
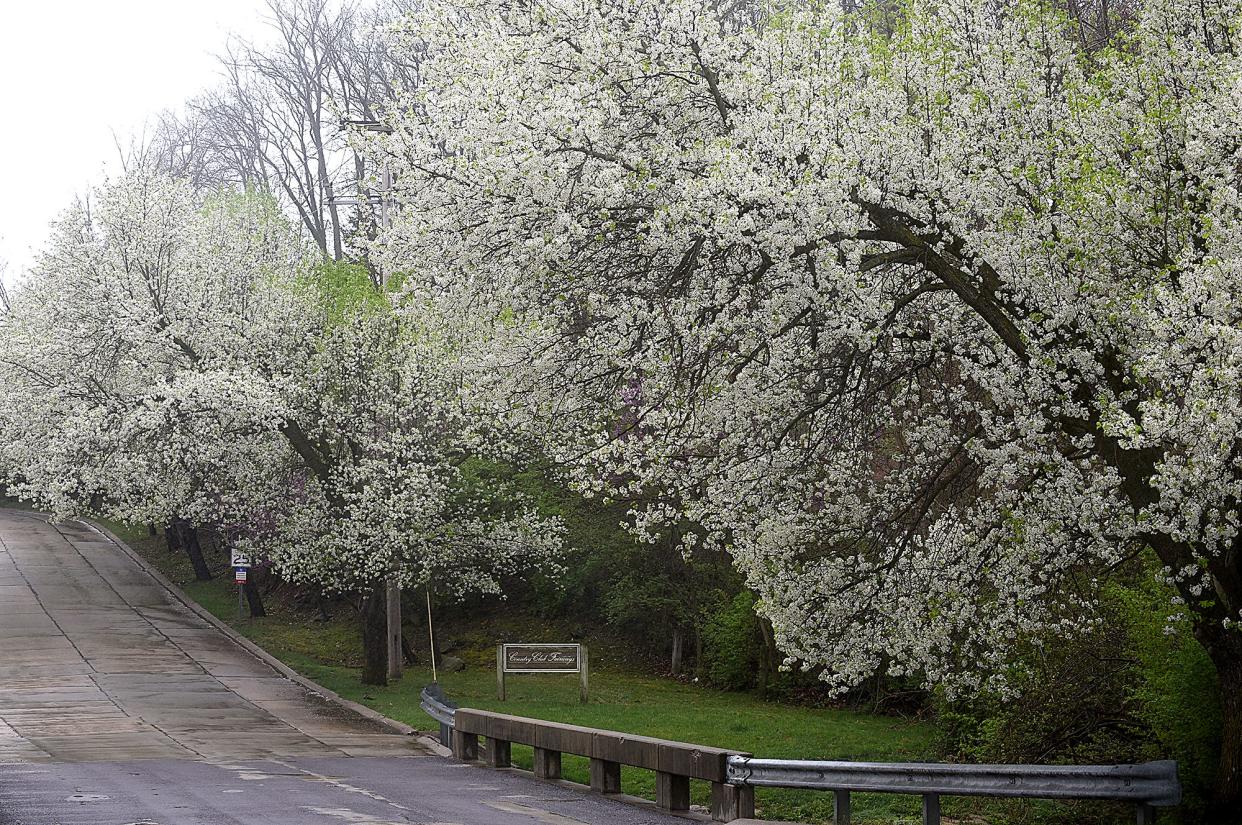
119, 706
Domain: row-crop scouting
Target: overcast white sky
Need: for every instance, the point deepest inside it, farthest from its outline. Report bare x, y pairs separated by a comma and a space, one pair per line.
73, 73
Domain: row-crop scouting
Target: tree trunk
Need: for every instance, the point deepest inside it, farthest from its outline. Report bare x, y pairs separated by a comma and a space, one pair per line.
769, 656
375, 636
253, 597
1226, 654
407, 650
172, 536
678, 642
189, 540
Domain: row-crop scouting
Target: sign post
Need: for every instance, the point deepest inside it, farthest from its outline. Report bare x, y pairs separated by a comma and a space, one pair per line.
241, 568
542, 658
500, 672
583, 675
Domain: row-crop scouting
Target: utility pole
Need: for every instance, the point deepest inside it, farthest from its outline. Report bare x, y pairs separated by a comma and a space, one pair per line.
382, 198
394, 628
392, 591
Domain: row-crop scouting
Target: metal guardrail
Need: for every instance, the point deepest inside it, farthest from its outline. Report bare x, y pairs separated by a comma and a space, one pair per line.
675, 763
735, 776
440, 708
1149, 785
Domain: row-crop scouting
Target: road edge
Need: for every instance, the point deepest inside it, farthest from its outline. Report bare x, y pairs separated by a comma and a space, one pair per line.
257, 651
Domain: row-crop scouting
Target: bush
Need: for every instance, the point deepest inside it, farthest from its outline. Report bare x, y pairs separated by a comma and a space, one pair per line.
1175, 689
1073, 705
731, 644
1133, 689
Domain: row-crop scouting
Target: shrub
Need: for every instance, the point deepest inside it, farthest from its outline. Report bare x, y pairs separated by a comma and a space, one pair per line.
1175, 689
731, 644
1135, 688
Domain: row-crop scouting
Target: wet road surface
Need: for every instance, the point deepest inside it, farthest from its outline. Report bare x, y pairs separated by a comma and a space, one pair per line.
119, 706
299, 791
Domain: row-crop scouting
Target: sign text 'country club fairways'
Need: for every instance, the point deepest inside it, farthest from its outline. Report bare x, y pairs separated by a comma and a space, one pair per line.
542, 658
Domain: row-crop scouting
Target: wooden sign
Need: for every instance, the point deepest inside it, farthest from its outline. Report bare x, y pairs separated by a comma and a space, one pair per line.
541, 658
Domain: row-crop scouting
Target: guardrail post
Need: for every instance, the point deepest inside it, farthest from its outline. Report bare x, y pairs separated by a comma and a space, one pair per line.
547, 764
840, 808
498, 753
931, 809
672, 791
1146, 815
605, 776
446, 735
730, 802
465, 746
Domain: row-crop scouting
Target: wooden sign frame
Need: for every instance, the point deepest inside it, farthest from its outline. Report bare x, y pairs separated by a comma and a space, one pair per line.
583, 668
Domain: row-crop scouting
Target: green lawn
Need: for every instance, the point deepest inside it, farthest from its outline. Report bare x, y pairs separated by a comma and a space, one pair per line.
621, 699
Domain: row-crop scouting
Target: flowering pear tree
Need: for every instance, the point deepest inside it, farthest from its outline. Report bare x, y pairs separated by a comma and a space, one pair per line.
132, 357
930, 314
177, 358
382, 417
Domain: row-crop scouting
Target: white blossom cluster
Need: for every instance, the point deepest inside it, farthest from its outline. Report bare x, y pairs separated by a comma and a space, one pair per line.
132, 362
175, 358
927, 315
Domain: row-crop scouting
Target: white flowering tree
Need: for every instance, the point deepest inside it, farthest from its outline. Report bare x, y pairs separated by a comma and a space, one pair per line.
172, 358
930, 314
132, 358
382, 416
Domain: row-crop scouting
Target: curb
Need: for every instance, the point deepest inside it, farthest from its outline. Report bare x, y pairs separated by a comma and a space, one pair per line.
252, 648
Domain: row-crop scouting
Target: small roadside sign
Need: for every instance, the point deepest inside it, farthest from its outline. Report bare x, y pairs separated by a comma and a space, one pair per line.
542, 658
241, 570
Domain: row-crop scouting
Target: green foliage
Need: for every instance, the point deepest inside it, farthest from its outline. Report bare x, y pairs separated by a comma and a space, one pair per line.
732, 644
1135, 688
644, 603
258, 206
593, 537
1176, 689
641, 589
395, 281
344, 290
